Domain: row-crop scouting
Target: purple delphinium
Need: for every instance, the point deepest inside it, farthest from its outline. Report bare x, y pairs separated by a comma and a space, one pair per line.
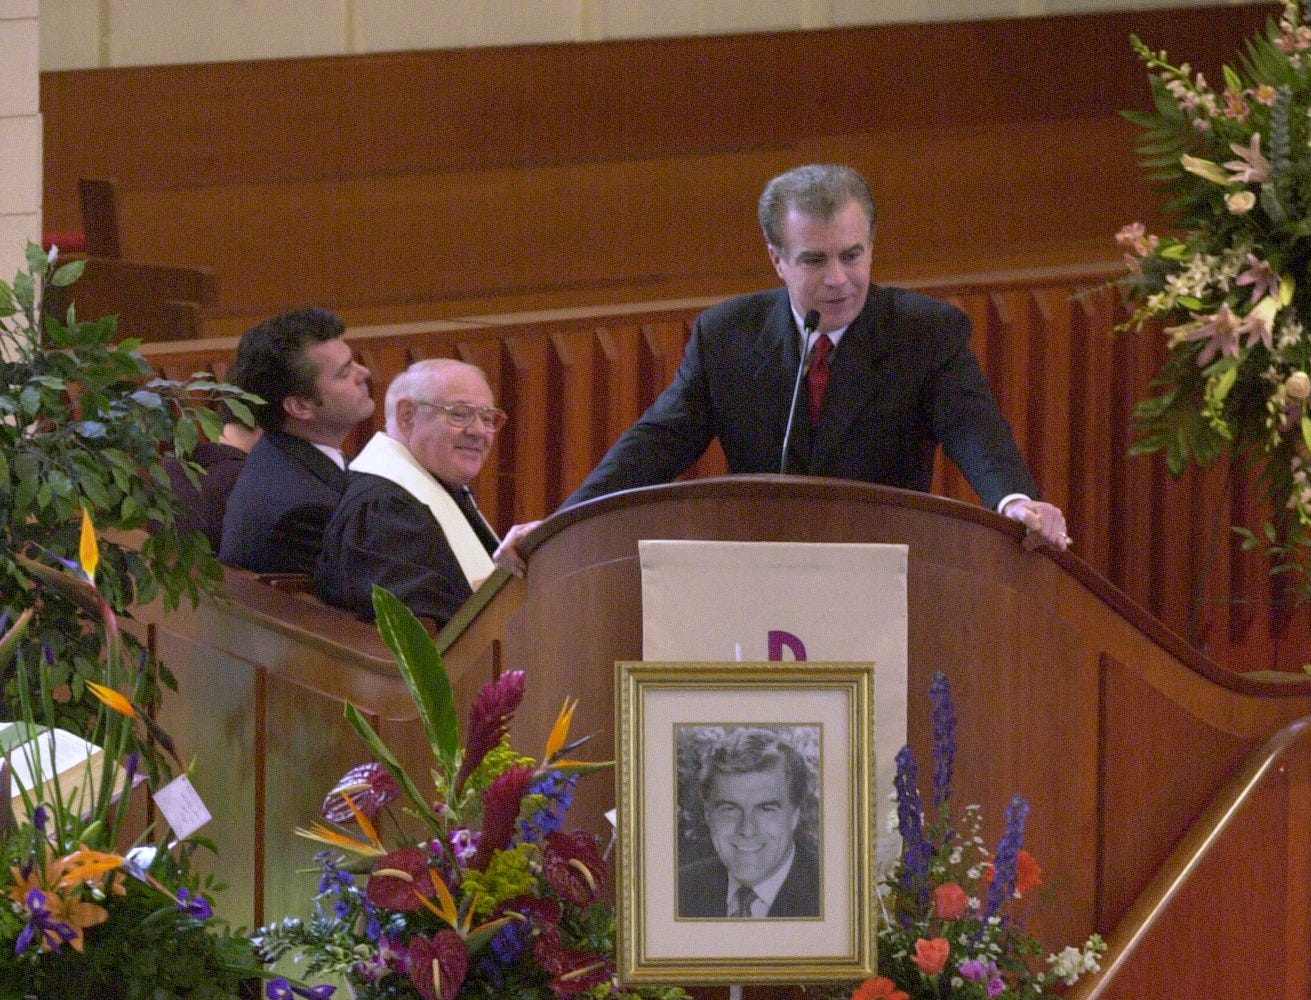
504, 949
916, 852
944, 740
1008, 850
558, 789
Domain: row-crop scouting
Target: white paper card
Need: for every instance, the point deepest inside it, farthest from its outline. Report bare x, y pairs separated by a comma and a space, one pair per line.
182, 808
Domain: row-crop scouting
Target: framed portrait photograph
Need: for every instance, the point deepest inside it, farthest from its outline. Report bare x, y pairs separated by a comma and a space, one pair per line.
746, 847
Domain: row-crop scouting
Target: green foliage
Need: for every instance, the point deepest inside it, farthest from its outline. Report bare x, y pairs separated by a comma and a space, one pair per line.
84, 423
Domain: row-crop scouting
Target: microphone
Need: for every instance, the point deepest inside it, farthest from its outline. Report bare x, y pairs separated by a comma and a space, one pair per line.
808, 326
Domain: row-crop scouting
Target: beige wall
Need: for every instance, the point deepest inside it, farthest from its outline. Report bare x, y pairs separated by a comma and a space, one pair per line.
20, 132
80, 34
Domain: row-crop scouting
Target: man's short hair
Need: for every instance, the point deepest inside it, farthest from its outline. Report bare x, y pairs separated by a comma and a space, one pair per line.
748, 750
271, 360
819, 190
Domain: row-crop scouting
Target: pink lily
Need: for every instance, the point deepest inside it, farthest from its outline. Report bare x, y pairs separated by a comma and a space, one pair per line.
1251, 167
1261, 276
1220, 330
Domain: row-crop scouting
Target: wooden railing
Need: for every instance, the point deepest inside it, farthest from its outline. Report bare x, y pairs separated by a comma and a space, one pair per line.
572, 380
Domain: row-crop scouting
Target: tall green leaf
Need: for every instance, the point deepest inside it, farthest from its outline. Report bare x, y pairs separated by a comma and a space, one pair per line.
421, 666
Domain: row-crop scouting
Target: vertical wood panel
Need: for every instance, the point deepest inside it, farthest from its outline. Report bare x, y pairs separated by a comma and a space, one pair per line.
1049, 411
580, 429
495, 486
536, 480
1091, 433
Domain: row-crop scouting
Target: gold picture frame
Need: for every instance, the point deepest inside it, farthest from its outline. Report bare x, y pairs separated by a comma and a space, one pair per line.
673, 924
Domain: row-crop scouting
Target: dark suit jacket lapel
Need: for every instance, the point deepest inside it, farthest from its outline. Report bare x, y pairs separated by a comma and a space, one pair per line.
852, 384
323, 468
774, 359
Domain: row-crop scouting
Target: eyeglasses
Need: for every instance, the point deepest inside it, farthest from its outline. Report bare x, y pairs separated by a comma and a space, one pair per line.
461, 414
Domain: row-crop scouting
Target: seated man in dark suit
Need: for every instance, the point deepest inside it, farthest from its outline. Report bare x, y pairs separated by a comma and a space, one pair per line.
315, 393
408, 521
752, 785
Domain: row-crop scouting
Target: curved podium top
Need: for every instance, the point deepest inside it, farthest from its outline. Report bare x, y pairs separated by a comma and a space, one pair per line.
1116, 731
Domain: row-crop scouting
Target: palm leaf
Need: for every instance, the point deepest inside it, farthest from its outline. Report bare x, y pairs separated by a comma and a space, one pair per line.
421, 666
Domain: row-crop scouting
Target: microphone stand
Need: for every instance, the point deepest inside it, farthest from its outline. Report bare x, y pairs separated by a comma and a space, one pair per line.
808, 327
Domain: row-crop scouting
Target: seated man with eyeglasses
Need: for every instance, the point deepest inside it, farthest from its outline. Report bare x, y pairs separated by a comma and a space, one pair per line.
408, 520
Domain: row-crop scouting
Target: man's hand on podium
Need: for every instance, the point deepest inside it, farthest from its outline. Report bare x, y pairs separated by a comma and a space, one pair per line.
1045, 523
507, 555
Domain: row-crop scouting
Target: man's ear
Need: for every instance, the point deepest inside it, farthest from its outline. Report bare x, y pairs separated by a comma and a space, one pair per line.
405, 413
298, 407
775, 258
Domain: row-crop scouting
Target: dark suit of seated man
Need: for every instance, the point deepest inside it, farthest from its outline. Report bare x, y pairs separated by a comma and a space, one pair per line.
752, 786
407, 521
314, 393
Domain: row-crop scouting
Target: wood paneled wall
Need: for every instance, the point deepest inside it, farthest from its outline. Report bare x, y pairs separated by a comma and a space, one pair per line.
434, 184
572, 380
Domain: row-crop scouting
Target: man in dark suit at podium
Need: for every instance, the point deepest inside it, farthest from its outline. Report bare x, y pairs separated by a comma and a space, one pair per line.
752, 786
890, 374
314, 393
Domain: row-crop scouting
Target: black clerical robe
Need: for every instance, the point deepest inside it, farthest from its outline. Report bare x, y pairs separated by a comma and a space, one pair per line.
382, 534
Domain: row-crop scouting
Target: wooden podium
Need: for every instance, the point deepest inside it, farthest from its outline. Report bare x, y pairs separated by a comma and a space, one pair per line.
1171, 800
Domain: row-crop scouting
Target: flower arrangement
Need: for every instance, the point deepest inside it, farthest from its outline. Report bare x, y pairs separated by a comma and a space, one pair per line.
491, 897
80, 917
952, 923
1232, 290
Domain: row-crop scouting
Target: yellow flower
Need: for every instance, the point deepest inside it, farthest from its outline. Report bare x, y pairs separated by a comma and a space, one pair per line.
87, 550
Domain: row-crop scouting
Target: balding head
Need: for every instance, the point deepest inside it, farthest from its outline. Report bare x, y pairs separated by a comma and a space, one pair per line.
416, 418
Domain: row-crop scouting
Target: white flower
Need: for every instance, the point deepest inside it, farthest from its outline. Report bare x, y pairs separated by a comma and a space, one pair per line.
1240, 202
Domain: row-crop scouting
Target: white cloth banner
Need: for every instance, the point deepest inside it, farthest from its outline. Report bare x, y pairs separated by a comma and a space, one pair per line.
757, 601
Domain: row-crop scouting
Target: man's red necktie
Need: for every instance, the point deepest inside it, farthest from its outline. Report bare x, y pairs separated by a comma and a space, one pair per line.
817, 377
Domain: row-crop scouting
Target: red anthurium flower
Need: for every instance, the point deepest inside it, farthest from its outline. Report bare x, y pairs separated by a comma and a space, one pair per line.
489, 720
930, 955
541, 913
591, 971
574, 867
571, 971
370, 787
399, 879
438, 965
500, 811
878, 988
950, 901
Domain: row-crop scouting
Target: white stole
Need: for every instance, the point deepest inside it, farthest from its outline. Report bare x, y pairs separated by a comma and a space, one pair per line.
388, 459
